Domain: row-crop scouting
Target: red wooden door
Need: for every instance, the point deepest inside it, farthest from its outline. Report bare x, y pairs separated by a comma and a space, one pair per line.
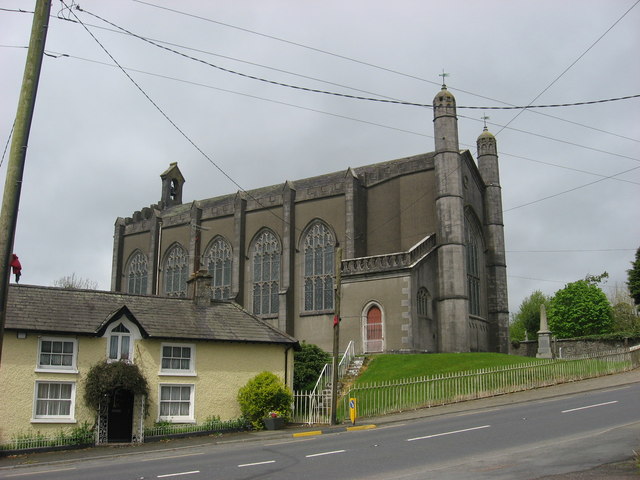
373, 330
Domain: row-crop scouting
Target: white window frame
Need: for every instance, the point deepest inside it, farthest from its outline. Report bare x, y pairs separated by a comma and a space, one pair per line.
35, 418
190, 418
191, 371
134, 334
73, 368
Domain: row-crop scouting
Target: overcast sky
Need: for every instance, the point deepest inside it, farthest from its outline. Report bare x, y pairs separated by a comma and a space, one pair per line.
570, 175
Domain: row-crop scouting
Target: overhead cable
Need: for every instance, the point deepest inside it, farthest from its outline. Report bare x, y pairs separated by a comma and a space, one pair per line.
345, 95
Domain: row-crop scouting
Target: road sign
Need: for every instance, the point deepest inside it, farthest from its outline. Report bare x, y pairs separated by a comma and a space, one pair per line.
352, 410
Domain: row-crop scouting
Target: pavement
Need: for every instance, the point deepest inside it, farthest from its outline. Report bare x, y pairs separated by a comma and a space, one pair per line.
622, 470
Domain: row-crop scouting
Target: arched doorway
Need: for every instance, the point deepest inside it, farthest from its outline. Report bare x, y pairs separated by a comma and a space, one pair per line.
120, 416
373, 330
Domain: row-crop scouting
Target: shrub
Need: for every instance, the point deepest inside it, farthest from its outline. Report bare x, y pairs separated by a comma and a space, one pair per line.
262, 394
307, 366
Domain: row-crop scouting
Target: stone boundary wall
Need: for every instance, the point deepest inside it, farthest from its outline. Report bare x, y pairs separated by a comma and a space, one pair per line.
569, 347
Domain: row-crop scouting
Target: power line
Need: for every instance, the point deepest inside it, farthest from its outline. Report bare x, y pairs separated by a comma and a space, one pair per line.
343, 57
547, 137
509, 107
345, 117
174, 124
362, 121
8, 141
570, 190
573, 63
337, 94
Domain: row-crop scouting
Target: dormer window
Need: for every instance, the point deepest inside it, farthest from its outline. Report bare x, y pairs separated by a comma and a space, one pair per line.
120, 343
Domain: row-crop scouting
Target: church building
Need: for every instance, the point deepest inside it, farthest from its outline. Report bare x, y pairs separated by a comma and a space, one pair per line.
421, 241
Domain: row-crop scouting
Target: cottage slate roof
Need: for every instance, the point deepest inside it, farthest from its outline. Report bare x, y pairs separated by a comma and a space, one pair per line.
88, 312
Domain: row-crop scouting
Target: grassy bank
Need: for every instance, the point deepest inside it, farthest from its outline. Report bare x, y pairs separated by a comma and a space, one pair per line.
384, 368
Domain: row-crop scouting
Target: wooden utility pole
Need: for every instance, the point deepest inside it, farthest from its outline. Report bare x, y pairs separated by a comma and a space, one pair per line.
336, 339
15, 167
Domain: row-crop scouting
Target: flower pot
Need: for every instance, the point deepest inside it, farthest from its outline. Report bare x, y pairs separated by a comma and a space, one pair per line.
273, 423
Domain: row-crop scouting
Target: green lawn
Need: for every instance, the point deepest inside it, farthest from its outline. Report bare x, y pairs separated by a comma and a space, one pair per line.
391, 367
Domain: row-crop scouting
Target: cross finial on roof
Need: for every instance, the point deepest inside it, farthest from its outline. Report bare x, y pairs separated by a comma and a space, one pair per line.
443, 75
485, 118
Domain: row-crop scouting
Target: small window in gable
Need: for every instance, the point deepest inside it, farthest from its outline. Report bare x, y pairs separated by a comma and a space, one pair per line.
177, 359
120, 340
57, 354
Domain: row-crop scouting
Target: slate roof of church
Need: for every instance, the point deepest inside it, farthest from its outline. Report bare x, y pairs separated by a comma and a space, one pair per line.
87, 312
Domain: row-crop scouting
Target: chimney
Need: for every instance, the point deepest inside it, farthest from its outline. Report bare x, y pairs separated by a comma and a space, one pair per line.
199, 288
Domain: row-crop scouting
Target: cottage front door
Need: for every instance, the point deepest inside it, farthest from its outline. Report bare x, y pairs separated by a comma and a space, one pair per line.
120, 416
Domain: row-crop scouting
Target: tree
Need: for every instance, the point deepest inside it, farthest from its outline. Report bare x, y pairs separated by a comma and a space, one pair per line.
307, 366
634, 279
625, 316
527, 319
580, 308
71, 281
625, 319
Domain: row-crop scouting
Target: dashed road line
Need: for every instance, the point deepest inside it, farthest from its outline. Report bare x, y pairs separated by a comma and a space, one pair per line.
40, 472
256, 464
324, 453
153, 459
178, 474
589, 406
448, 433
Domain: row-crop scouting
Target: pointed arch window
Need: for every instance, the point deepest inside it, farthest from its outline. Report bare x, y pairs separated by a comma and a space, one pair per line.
175, 272
473, 247
137, 272
266, 273
120, 343
424, 306
217, 260
319, 246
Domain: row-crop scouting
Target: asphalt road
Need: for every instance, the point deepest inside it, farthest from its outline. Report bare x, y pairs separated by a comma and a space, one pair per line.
528, 440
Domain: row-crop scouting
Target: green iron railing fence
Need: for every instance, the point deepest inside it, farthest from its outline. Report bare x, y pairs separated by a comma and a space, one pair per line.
394, 396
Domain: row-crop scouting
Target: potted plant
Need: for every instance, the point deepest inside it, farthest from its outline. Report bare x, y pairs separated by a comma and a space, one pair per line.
274, 421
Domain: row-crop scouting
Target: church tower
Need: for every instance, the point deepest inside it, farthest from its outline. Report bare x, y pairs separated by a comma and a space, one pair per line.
498, 304
452, 301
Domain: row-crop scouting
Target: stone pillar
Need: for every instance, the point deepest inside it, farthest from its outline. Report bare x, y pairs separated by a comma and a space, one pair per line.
498, 303
544, 336
239, 227
287, 285
355, 217
452, 299
117, 267
154, 256
195, 234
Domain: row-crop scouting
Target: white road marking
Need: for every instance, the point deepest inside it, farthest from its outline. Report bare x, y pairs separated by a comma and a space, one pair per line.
448, 433
37, 473
178, 474
173, 456
257, 463
589, 406
324, 453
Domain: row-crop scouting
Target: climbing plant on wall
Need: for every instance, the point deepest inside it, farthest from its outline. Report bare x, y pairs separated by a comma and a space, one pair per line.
104, 378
